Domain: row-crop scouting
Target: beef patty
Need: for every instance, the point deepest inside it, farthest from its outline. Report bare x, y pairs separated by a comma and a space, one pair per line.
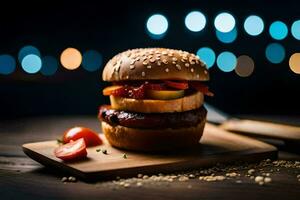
152, 120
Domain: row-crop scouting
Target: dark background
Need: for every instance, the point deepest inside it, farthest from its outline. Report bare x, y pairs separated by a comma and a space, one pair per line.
114, 26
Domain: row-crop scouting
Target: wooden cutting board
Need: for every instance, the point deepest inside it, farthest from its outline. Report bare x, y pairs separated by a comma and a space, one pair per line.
216, 146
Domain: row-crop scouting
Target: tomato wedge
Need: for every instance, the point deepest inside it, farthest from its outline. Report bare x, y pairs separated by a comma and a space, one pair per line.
177, 85
90, 137
115, 90
201, 88
73, 150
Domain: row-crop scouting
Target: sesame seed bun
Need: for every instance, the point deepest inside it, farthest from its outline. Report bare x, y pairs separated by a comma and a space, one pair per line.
155, 64
153, 139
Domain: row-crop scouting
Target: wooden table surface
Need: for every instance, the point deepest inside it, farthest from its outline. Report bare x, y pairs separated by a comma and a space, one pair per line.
22, 178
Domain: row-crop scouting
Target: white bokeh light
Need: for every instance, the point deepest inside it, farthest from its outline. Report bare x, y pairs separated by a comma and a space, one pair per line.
195, 21
224, 22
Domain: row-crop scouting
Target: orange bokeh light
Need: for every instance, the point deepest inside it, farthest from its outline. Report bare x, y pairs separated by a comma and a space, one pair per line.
71, 58
294, 63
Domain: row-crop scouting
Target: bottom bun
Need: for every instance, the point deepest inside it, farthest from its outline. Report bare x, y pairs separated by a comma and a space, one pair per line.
152, 139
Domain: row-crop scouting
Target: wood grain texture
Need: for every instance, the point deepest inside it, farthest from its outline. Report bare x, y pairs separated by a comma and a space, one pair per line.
216, 146
263, 129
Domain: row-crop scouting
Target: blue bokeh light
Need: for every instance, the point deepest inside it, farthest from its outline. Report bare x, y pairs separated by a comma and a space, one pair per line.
224, 22
278, 30
31, 63
207, 55
91, 60
226, 61
49, 65
295, 29
228, 37
157, 25
7, 64
195, 21
275, 53
26, 50
254, 25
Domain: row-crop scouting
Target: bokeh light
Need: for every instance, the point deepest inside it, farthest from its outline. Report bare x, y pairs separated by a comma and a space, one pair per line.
26, 50
7, 64
31, 63
275, 53
49, 65
207, 55
295, 29
224, 22
91, 60
278, 30
244, 66
254, 25
195, 21
294, 63
226, 61
157, 25
71, 58
228, 37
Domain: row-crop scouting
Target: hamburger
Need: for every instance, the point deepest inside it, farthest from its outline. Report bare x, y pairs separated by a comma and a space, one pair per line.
156, 99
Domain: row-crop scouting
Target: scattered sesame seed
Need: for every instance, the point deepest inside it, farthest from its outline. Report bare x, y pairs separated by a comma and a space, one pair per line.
139, 184
267, 180
64, 179
143, 74
126, 185
192, 69
261, 183
238, 181
205, 72
140, 175
258, 179
149, 67
251, 171
145, 63
174, 59
187, 64
167, 70
127, 77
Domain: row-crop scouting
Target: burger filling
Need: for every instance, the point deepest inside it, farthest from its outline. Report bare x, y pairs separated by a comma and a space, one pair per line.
164, 96
155, 89
152, 120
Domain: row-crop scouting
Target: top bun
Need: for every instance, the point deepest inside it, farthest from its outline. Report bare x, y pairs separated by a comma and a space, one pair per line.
155, 64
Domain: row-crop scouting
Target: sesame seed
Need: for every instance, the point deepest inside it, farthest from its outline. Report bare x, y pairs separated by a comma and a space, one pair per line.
132, 62
267, 180
159, 63
145, 63
174, 63
192, 69
165, 61
174, 59
131, 66
197, 76
127, 77
167, 69
164, 53
205, 72
258, 179
187, 64
149, 67
178, 67
64, 179
143, 74
192, 62
182, 60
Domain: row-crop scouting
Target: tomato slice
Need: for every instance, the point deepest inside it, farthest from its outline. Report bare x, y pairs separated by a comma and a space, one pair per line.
90, 137
115, 90
73, 150
201, 88
177, 85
